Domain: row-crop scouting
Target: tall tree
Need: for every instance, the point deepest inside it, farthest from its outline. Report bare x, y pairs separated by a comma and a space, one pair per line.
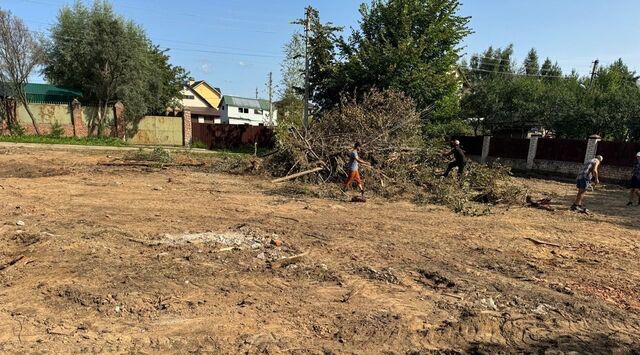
550, 69
491, 63
326, 80
531, 66
110, 59
292, 68
291, 88
20, 54
566, 105
411, 46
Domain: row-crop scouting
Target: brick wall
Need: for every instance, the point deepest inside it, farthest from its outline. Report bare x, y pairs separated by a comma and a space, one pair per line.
187, 128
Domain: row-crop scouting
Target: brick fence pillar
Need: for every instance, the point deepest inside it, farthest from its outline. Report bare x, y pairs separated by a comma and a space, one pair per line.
486, 144
118, 112
79, 128
533, 148
187, 129
592, 148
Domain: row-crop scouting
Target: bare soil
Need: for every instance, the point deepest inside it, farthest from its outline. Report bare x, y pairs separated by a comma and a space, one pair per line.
149, 260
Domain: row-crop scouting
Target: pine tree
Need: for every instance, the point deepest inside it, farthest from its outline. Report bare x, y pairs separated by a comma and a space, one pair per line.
531, 65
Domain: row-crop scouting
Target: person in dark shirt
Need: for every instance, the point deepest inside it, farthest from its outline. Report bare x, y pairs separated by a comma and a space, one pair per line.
635, 182
460, 159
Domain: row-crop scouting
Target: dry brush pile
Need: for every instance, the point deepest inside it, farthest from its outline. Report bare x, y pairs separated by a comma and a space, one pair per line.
403, 162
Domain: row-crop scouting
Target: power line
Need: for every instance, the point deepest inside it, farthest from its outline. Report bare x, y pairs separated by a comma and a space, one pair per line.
516, 66
178, 49
514, 74
509, 60
157, 39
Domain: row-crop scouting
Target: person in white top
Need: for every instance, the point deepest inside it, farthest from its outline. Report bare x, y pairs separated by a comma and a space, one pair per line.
588, 173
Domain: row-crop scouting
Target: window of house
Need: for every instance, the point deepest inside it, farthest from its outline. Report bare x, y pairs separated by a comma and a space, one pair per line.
257, 112
243, 110
240, 109
188, 97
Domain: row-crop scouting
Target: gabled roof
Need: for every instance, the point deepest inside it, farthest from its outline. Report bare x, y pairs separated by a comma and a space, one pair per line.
44, 93
196, 94
202, 82
237, 101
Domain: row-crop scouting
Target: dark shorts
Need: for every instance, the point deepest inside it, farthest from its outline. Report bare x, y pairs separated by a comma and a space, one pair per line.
635, 182
582, 184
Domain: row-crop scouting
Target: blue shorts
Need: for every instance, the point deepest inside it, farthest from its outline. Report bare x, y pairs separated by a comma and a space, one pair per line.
582, 184
635, 182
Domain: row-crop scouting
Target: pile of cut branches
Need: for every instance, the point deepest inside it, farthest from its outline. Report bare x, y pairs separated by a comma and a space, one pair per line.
389, 128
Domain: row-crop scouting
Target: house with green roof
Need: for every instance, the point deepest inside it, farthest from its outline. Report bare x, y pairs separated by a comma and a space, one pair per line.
245, 111
44, 93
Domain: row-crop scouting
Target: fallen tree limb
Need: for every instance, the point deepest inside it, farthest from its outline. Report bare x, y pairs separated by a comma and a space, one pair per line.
146, 243
291, 177
452, 295
11, 263
542, 242
317, 236
151, 164
269, 154
288, 218
288, 261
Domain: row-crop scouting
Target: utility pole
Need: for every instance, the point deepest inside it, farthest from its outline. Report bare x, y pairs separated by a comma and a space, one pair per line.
593, 72
305, 115
256, 93
306, 22
270, 87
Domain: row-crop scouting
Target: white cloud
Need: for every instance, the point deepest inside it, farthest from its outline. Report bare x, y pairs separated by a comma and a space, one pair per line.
205, 68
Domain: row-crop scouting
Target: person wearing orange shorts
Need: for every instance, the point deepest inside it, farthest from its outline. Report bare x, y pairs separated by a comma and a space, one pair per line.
353, 169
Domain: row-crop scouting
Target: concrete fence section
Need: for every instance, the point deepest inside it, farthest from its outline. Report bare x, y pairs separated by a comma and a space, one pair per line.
75, 119
159, 130
556, 157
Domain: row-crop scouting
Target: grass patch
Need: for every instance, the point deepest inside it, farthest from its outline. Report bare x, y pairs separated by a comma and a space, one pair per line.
199, 145
99, 141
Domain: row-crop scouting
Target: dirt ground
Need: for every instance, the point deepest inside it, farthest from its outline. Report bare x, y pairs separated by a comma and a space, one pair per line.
144, 260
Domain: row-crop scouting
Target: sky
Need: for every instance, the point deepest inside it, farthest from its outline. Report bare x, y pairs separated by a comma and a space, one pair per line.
234, 44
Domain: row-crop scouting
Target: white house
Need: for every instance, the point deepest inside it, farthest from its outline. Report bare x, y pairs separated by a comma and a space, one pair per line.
244, 111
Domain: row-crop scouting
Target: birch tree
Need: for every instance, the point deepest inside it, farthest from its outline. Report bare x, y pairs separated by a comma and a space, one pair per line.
20, 54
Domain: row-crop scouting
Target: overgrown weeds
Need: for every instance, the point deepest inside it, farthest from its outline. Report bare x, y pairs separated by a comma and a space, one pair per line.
56, 130
196, 144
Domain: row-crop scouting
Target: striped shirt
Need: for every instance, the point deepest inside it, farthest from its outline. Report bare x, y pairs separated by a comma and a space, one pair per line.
586, 172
